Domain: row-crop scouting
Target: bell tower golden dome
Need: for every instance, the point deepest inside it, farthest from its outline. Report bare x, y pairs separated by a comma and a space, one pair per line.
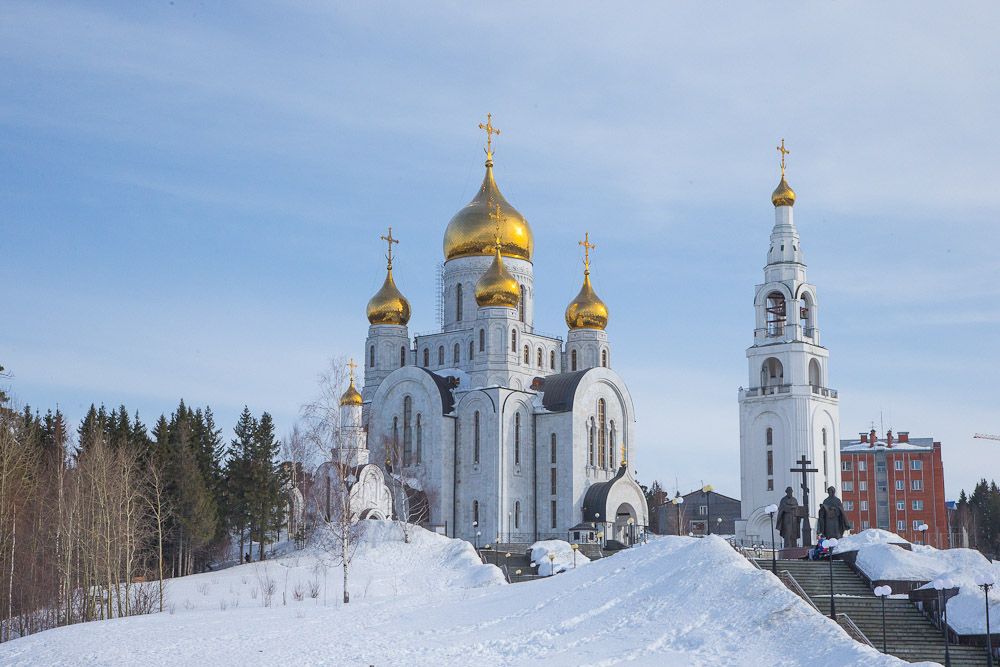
389, 306
471, 231
587, 311
497, 288
783, 195
352, 396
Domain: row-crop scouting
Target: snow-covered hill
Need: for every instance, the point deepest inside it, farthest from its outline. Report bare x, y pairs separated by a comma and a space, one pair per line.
675, 601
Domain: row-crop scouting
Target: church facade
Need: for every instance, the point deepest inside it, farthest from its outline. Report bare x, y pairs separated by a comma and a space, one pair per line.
508, 434
787, 411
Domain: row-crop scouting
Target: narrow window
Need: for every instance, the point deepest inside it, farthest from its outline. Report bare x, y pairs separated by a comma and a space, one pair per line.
572, 357
475, 511
604, 358
440, 355
456, 355
770, 462
552, 360
475, 437
458, 302
420, 441
553, 447
371, 356
395, 436
513, 340
527, 355
552, 512
770, 437
524, 304
472, 349
482, 340
552, 474
612, 444
407, 431
517, 438
427, 357
517, 514
602, 434
402, 357
590, 455
539, 357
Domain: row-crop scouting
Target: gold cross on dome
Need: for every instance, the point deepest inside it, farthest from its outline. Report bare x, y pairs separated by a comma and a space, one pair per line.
784, 151
490, 131
351, 366
587, 247
389, 240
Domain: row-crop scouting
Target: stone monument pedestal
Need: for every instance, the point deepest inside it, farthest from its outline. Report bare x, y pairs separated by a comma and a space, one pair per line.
793, 553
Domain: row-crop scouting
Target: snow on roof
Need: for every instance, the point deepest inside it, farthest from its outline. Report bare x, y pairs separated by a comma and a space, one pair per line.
913, 444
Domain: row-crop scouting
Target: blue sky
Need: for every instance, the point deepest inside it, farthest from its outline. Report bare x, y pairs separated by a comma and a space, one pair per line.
191, 196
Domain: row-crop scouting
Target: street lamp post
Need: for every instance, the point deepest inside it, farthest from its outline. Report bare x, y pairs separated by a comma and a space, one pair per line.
771, 509
552, 566
883, 592
677, 501
574, 547
986, 582
475, 527
830, 544
922, 529
941, 586
707, 490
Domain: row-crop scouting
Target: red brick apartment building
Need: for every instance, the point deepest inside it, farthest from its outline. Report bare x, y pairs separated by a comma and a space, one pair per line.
896, 484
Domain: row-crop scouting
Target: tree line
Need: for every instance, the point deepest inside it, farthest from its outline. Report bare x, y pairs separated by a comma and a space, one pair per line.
977, 515
93, 519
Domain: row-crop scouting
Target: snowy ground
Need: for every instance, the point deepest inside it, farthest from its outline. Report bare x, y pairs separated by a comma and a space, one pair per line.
676, 601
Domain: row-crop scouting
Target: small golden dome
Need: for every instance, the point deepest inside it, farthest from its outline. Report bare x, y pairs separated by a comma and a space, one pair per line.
352, 396
783, 195
388, 306
587, 311
497, 288
471, 230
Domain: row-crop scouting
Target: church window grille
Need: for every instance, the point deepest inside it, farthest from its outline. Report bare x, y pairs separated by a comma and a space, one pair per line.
552, 512
604, 358
475, 511
775, 309
552, 360
456, 354
540, 358
553, 447
440, 355
517, 514
475, 437
769, 437
770, 462
482, 340
407, 431
427, 357
590, 455
472, 350
420, 442
523, 303
371, 356
513, 340
527, 355
602, 433
552, 474
458, 302
572, 356
517, 438
402, 357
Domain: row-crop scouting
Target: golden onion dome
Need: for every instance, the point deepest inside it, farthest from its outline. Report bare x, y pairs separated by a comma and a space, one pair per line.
497, 288
471, 230
389, 306
783, 195
352, 396
587, 311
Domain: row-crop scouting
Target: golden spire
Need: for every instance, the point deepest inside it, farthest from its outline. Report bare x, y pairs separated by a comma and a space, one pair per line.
783, 195
587, 311
490, 131
351, 396
497, 288
389, 306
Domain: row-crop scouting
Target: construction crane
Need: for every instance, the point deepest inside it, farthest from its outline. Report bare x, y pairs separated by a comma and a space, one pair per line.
986, 436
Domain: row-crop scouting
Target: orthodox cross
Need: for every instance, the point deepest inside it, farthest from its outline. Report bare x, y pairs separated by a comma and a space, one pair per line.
351, 366
587, 247
389, 240
490, 131
802, 466
784, 151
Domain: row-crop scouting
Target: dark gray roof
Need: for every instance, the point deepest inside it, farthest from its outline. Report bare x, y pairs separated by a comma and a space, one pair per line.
559, 389
444, 387
596, 499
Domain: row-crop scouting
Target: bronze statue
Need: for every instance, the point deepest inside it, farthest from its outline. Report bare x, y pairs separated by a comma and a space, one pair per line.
831, 521
789, 519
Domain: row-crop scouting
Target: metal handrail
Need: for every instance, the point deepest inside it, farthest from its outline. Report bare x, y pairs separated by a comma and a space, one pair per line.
789, 581
852, 630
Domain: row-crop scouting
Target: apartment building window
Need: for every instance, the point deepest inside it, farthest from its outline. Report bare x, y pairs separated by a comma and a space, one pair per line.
916, 523
846, 466
900, 525
848, 486
916, 464
862, 485
898, 464
899, 485
864, 505
917, 484
918, 505
900, 505
848, 505
703, 509
862, 466
865, 525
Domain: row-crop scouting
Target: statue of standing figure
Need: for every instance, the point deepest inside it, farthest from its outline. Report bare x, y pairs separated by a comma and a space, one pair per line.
831, 521
789, 519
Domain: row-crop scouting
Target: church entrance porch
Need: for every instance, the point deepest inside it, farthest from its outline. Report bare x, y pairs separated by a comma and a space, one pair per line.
626, 528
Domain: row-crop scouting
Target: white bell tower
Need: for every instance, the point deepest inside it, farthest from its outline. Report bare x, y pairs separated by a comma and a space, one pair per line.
788, 410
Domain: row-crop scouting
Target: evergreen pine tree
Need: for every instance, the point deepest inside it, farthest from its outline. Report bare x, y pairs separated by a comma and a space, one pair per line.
238, 479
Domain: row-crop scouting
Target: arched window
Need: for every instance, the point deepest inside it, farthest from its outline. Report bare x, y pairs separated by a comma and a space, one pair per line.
407, 431
472, 351
775, 309
523, 304
402, 357
371, 356
572, 363
769, 436
427, 357
458, 302
552, 445
540, 358
552, 359
612, 445
590, 442
517, 438
440, 355
602, 433
418, 455
482, 340
517, 509
604, 358
475, 511
527, 355
771, 373
513, 340
806, 316
456, 355
475, 437
815, 379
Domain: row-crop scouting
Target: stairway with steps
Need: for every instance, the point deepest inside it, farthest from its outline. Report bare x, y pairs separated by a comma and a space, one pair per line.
909, 634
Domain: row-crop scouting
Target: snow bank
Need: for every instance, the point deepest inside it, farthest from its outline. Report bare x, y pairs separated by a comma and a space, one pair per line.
967, 610
563, 557
676, 601
867, 538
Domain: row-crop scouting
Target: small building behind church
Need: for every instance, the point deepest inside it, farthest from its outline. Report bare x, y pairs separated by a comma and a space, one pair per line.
698, 510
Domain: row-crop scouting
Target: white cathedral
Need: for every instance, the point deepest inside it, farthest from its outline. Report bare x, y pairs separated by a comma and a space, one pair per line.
788, 411
507, 434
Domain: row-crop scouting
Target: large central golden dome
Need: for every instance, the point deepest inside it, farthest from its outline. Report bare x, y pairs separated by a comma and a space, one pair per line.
471, 231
